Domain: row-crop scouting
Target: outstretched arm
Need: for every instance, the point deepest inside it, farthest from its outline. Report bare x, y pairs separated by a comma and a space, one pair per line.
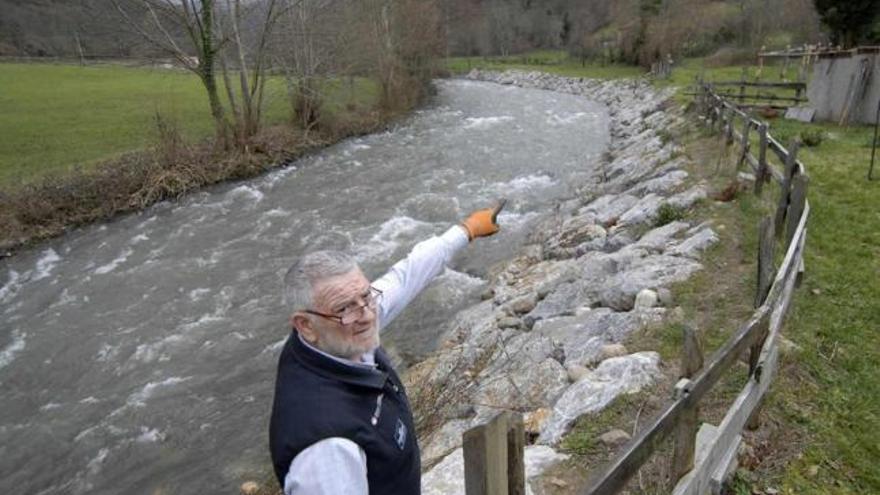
409, 276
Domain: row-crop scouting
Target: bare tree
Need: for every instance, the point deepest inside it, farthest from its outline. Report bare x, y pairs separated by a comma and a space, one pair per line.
167, 21
199, 35
251, 60
308, 48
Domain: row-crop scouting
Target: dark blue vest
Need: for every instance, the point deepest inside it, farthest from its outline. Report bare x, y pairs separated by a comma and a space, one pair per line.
318, 398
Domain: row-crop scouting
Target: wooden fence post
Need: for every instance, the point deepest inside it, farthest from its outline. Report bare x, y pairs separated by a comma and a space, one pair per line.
715, 113
766, 272
516, 466
494, 457
745, 143
729, 130
785, 193
796, 205
762, 174
685, 435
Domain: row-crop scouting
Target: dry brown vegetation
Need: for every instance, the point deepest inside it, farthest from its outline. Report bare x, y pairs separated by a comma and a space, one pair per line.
48, 207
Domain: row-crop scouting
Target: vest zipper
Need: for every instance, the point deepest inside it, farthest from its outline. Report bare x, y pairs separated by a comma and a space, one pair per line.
378, 410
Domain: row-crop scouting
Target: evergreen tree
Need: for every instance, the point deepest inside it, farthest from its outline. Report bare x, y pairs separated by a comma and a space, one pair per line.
850, 21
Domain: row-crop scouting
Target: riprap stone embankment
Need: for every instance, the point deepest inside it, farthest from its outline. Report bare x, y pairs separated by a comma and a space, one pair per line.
547, 338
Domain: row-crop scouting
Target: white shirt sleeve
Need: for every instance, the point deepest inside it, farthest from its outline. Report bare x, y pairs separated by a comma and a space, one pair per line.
409, 276
329, 467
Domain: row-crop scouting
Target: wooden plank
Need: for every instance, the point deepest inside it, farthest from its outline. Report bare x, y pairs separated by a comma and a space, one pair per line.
776, 175
516, 441
736, 110
728, 353
780, 310
636, 452
800, 273
785, 193
753, 164
756, 96
781, 85
730, 427
686, 431
485, 458
789, 262
796, 206
725, 468
698, 481
781, 152
735, 135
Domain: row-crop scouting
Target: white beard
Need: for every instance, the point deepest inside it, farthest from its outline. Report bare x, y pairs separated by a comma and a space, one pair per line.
346, 349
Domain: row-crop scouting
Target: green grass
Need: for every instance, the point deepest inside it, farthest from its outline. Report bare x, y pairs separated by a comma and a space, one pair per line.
836, 318
583, 439
56, 117
828, 394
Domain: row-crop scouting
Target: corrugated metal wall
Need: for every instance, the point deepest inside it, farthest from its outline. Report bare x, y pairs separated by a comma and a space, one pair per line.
834, 81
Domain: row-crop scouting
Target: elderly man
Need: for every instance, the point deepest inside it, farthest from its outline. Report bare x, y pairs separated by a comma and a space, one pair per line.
341, 422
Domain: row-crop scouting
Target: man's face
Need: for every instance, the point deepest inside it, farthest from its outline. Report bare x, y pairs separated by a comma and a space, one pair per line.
331, 296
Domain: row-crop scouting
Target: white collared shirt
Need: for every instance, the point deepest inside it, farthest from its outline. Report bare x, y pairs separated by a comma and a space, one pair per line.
338, 465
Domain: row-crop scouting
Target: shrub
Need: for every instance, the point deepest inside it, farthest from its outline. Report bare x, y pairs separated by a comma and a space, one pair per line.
668, 213
812, 137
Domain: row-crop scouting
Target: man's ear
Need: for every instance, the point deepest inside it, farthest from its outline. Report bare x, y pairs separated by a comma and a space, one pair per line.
303, 324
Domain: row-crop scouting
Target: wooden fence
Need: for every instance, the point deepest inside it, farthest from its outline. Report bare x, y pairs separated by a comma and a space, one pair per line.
751, 91
487, 448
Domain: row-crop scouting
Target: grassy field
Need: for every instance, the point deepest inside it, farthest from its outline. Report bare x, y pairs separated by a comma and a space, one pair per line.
55, 117
822, 432
833, 387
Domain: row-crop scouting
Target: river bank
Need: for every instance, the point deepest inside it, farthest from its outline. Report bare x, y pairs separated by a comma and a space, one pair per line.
56, 204
548, 338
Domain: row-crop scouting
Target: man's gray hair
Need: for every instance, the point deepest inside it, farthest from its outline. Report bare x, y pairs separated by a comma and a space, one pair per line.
308, 270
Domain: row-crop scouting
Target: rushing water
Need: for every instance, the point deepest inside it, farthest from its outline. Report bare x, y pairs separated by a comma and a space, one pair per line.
139, 356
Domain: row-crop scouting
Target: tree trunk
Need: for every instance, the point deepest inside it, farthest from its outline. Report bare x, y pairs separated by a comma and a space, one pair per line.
206, 70
210, 83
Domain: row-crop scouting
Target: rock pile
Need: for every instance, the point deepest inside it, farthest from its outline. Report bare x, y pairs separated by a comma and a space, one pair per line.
547, 338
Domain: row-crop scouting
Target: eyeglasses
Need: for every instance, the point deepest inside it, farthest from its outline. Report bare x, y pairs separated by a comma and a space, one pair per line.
354, 311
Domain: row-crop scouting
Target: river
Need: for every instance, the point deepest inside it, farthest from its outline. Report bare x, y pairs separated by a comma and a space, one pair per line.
139, 356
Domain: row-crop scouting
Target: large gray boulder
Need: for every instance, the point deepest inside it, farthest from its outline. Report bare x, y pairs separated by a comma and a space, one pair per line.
608, 207
529, 387
642, 212
687, 198
693, 246
650, 272
659, 239
444, 440
663, 184
583, 336
447, 477
578, 235
615, 376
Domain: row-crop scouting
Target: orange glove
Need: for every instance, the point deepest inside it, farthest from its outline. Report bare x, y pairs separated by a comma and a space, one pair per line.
482, 223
